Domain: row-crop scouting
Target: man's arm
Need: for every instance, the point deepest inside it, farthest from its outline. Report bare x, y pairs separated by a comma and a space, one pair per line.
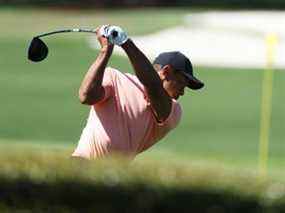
91, 89
159, 99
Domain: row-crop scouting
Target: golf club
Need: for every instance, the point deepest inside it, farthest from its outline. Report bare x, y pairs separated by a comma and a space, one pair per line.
38, 50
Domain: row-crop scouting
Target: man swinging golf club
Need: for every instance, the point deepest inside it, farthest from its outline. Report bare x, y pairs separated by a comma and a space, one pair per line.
130, 113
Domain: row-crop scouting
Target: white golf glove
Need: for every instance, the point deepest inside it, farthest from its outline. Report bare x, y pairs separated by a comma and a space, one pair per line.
114, 34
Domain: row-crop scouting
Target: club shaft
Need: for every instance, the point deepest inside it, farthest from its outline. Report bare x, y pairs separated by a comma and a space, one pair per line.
67, 31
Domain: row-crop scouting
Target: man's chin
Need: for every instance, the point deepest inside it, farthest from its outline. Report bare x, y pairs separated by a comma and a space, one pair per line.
176, 97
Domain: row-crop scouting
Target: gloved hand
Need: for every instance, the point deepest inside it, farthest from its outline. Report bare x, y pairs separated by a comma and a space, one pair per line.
114, 34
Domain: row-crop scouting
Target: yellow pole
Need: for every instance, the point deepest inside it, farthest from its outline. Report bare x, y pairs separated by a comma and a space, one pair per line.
266, 103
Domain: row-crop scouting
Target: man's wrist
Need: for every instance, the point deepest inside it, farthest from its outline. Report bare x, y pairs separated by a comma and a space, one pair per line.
126, 44
106, 50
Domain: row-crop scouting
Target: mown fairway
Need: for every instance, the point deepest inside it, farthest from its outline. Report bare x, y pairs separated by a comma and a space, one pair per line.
40, 109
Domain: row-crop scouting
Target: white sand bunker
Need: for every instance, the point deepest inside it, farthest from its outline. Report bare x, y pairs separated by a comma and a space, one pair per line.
223, 39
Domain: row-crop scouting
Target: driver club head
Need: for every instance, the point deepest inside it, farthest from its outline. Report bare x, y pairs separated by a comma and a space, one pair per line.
38, 50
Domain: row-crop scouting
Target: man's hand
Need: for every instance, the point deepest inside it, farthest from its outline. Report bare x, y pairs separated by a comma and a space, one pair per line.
103, 40
114, 34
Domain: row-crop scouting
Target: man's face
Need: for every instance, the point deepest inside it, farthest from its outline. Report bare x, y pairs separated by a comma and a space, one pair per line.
174, 82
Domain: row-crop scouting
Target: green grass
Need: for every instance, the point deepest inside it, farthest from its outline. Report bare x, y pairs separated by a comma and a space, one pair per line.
40, 108
25, 23
49, 177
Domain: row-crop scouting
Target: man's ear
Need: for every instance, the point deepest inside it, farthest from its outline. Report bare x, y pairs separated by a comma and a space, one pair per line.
166, 71
167, 68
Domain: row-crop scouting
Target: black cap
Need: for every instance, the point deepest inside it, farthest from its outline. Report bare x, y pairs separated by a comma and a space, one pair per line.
180, 63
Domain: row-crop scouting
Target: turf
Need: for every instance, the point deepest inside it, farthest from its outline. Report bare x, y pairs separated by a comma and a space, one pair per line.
23, 23
40, 108
48, 181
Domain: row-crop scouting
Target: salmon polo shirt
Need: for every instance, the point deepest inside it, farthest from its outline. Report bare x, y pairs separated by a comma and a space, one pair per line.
123, 121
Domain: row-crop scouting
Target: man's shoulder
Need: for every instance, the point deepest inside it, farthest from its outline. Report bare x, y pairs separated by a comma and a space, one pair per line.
174, 117
116, 72
112, 71
122, 75
133, 78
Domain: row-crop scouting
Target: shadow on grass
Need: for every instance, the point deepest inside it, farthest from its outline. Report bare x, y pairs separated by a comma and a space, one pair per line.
51, 182
70, 195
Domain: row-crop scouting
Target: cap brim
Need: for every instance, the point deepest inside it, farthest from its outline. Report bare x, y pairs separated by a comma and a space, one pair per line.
194, 83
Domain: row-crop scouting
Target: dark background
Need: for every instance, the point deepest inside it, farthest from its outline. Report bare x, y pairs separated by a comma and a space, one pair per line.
234, 4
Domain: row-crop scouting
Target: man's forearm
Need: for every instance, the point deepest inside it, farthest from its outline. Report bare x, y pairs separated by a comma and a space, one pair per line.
142, 66
91, 89
159, 99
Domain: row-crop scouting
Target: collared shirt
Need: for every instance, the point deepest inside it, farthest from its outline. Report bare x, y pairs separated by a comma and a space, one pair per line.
123, 121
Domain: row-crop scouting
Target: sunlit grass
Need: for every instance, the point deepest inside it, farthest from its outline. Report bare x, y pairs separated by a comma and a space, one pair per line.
54, 174
53, 164
24, 23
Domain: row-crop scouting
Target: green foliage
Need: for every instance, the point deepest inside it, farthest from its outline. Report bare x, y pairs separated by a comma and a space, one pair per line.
277, 4
45, 181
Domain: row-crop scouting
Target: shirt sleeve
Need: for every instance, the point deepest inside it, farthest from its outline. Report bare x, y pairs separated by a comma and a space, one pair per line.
173, 118
107, 84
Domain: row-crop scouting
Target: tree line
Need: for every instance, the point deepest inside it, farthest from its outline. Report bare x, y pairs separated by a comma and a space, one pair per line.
232, 4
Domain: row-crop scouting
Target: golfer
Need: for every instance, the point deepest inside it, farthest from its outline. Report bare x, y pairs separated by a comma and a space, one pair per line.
130, 113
